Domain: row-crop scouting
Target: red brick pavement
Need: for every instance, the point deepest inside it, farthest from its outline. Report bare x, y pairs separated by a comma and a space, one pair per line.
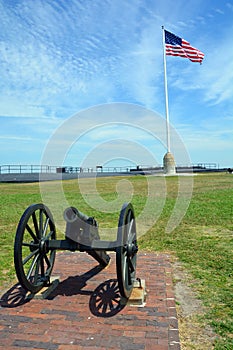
79, 314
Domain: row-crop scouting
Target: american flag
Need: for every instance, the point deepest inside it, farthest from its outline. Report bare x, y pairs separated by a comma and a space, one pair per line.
175, 46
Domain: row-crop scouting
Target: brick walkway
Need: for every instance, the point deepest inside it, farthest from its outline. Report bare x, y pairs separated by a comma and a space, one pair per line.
79, 314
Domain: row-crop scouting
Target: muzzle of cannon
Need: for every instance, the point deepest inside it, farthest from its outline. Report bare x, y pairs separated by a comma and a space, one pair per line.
36, 245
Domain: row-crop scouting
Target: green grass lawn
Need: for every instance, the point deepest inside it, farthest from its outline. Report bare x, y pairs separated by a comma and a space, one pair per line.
203, 241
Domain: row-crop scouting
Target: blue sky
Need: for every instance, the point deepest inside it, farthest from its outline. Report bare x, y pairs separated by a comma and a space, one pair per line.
59, 58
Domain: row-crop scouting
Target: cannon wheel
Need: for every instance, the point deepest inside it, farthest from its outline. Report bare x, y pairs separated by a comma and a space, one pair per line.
126, 251
33, 261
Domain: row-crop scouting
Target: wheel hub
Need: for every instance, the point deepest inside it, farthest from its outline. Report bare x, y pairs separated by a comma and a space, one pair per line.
131, 249
43, 247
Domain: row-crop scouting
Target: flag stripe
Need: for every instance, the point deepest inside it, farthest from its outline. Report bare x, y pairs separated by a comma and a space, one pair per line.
175, 46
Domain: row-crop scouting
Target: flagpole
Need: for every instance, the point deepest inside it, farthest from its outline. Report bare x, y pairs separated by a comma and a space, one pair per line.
166, 93
168, 160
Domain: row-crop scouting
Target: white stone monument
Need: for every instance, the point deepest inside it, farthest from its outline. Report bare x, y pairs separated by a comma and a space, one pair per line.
169, 165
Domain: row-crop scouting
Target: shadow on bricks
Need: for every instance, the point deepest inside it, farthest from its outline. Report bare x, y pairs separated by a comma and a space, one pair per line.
14, 297
105, 300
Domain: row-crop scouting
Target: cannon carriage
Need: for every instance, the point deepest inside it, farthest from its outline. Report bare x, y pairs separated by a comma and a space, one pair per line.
36, 245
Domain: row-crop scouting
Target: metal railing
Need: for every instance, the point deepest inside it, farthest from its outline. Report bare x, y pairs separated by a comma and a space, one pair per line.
48, 169
26, 169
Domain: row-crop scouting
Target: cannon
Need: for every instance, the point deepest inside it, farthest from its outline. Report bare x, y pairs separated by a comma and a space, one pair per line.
36, 245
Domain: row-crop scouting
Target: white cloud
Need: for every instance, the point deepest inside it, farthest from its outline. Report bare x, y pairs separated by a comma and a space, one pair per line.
218, 74
229, 5
221, 12
16, 138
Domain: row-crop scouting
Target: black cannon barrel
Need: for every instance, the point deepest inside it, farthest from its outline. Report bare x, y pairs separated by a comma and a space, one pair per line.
71, 214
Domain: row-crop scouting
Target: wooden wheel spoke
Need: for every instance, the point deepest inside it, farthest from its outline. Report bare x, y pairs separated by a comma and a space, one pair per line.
131, 233
45, 227
130, 265
129, 278
30, 245
49, 235
34, 262
47, 261
41, 223
35, 223
36, 275
31, 233
30, 256
42, 266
